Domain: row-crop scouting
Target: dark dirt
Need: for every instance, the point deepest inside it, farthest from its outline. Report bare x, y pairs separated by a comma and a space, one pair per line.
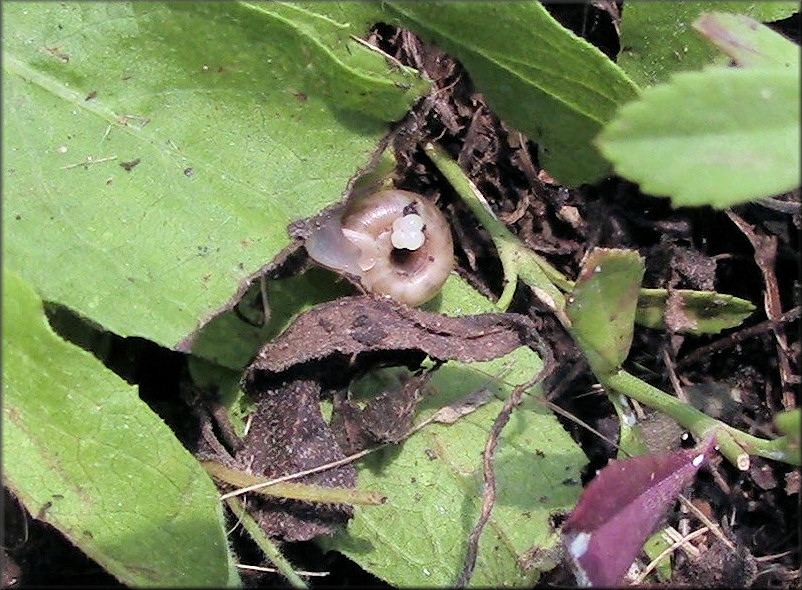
753, 253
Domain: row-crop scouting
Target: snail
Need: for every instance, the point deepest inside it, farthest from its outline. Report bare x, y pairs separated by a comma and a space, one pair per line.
396, 242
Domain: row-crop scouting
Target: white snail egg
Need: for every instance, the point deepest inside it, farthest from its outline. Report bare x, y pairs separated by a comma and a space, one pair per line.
408, 232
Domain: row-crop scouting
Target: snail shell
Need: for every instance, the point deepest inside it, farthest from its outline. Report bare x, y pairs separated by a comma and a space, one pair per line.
396, 242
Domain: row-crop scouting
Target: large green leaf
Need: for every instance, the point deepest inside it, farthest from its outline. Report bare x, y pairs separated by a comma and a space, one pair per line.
434, 484
84, 454
657, 38
536, 75
243, 118
718, 137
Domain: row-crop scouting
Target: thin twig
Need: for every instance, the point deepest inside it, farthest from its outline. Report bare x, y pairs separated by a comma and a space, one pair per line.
765, 247
489, 493
291, 476
565, 413
88, 162
672, 376
669, 550
272, 570
714, 528
764, 558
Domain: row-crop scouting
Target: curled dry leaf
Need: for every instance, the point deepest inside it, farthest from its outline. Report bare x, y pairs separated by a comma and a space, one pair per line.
386, 418
288, 435
354, 325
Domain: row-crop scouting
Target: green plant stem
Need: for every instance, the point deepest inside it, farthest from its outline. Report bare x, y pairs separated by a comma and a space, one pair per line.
549, 284
265, 544
520, 262
631, 441
733, 443
295, 491
512, 253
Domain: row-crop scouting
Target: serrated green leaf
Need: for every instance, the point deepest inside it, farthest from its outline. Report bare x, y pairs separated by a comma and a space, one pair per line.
84, 454
537, 76
602, 306
657, 39
718, 137
235, 132
703, 312
747, 42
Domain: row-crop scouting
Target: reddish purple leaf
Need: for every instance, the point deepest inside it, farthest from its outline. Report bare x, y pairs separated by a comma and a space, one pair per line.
621, 507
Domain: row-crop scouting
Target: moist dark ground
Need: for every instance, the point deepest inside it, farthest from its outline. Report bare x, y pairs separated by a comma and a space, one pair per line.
698, 248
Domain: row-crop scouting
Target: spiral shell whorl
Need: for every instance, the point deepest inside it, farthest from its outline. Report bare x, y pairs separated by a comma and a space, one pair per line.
360, 242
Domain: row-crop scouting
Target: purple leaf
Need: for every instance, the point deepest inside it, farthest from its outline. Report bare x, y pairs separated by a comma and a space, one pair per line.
621, 507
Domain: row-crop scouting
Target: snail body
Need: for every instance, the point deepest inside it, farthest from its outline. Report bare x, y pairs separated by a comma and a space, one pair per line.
394, 242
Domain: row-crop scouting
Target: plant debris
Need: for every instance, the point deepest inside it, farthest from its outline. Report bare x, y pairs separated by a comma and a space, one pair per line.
128, 166
352, 325
322, 351
288, 435
387, 418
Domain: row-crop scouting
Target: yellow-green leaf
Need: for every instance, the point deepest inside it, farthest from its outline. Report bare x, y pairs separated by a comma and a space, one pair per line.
84, 454
718, 137
154, 153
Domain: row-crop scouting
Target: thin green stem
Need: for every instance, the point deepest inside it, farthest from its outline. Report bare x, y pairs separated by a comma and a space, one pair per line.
735, 445
295, 491
265, 544
554, 275
631, 441
516, 259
